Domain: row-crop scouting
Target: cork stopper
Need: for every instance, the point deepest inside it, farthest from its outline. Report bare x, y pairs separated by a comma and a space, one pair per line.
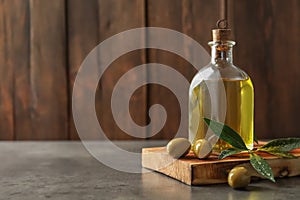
222, 33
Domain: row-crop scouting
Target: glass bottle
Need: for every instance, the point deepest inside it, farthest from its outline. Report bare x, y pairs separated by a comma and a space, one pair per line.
222, 92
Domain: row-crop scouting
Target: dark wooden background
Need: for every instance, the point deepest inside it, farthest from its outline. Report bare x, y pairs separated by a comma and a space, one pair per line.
42, 44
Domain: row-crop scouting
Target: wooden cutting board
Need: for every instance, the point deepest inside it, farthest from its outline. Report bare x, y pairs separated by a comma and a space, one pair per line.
193, 171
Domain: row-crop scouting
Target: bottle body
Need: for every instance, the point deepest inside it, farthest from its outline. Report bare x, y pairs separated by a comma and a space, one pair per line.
225, 94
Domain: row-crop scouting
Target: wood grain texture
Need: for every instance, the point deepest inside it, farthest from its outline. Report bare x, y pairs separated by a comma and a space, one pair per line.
12, 28
194, 18
114, 17
199, 18
48, 78
283, 55
166, 14
193, 171
22, 79
268, 49
43, 43
83, 36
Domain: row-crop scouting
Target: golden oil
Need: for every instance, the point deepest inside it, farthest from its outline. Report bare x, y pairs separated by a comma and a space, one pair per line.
222, 92
239, 109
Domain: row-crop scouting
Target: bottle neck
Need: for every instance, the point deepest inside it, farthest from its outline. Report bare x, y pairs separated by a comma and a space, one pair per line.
221, 52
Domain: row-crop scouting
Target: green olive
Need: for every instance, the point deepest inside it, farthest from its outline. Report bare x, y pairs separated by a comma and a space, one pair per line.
178, 147
239, 177
202, 148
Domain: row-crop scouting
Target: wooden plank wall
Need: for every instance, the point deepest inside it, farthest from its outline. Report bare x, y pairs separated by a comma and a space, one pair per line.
42, 44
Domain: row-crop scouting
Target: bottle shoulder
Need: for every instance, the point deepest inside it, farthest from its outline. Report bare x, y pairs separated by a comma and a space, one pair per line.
231, 72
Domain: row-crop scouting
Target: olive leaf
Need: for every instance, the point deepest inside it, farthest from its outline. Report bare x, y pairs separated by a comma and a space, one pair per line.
278, 147
226, 133
281, 145
229, 152
281, 154
261, 166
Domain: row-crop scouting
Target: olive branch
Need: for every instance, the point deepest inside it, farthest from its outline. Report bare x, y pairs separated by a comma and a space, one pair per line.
278, 147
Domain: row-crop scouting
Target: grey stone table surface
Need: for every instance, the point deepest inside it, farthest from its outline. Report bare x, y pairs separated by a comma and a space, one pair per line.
65, 170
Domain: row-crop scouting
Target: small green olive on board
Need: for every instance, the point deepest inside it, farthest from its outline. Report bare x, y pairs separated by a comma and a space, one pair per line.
239, 177
178, 147
202, 148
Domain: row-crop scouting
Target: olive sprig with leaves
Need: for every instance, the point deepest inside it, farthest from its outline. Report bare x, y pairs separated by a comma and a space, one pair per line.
277, 147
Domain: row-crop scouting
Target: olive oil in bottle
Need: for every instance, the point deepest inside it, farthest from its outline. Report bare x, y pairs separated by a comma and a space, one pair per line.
224, 93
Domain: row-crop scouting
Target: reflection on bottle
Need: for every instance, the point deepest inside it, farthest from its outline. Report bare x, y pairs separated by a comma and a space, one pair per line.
224, 93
